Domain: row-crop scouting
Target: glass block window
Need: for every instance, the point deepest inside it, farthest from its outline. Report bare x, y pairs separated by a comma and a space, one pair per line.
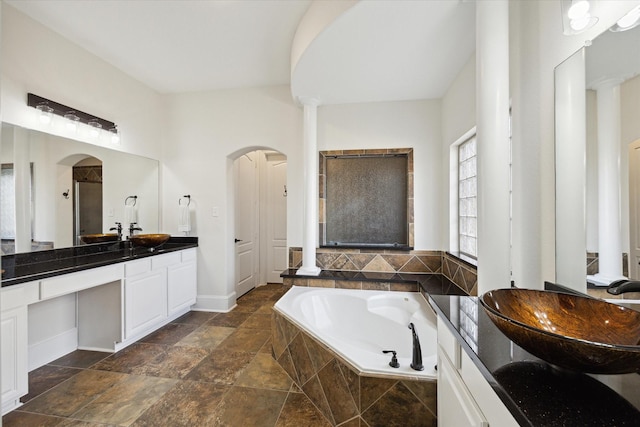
467, 198
468, 317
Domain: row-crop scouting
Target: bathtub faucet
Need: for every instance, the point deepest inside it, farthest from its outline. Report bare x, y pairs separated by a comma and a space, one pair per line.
416, 363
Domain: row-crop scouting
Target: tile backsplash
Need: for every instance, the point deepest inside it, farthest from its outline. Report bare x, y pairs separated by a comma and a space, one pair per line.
463, 274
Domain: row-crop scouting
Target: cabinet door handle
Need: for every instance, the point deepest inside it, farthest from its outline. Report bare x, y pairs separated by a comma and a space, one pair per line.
237, 240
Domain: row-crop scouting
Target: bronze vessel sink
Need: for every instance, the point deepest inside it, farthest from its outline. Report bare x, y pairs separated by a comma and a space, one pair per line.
149, 240
570, 331
99, 238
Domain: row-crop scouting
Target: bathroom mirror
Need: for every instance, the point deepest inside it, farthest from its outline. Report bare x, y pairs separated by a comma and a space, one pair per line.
598, 99
51, 174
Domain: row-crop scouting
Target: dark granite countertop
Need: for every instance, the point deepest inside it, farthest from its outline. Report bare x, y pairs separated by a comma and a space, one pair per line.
536, 393
30, 266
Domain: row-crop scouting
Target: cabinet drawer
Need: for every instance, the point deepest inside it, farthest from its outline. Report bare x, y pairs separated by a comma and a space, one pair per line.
69, 283
487, 399
165, 260
17, 295
449, 344
189, 254
12, 297
133, 268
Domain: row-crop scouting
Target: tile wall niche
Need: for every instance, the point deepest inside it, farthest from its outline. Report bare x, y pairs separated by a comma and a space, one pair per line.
341, 394
463, 274
385, 152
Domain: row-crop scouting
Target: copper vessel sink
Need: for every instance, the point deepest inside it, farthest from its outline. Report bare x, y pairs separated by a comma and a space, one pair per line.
99, 238
570, 331
149, 240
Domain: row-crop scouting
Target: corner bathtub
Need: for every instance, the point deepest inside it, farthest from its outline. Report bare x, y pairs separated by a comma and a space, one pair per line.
358, 324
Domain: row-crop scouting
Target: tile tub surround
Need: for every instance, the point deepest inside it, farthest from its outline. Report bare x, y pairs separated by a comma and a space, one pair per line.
343, 396
376, 265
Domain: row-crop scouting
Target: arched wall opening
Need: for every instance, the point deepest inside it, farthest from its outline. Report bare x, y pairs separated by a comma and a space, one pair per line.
257, 217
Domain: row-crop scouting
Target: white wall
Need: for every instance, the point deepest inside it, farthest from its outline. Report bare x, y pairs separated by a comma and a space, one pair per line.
206, 132
37, 60
458, 118
402, 124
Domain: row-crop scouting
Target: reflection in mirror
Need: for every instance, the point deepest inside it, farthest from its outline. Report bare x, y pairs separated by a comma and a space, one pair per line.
87, 201
53, 187
604, 186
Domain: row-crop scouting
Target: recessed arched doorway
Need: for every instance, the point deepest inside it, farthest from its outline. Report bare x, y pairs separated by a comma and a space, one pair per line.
260, 213
87, 198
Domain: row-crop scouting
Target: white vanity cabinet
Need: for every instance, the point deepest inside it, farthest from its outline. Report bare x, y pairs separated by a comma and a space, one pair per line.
182, 283
13, 335
145, 297
158, 288
115, 305
465, 398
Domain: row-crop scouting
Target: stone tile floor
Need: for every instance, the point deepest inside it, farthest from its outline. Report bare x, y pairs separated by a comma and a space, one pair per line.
203, 369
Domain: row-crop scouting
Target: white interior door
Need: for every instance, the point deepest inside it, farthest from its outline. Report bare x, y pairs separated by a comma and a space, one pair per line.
276, 217
634, 207
246, 216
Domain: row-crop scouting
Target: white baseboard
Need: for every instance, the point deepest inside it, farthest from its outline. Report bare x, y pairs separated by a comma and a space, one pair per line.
218, 304
10, 406
52, 348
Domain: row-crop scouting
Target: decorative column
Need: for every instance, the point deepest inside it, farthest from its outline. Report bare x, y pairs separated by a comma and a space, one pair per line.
310, 208
492, 112
609, 223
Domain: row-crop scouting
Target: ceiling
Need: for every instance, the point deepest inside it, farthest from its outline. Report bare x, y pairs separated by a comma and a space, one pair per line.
379, 50
613, 57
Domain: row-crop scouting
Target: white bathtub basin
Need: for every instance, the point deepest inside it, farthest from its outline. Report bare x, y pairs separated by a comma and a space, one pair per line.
357, 325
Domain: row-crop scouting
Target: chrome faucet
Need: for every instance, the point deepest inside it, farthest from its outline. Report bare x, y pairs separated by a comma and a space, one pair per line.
118, 229
416, 363
133, 228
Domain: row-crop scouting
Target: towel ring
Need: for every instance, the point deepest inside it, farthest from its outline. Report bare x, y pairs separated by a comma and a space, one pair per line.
186, 196
135, 199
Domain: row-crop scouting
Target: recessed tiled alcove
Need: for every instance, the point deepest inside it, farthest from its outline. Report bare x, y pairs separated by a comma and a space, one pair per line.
375, 195
344, 396
375, 265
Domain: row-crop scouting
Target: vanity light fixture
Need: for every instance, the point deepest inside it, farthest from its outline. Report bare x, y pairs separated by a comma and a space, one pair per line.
576, 16
628, 21
74, 117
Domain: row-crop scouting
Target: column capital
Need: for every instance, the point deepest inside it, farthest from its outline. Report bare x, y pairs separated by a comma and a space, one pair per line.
606, 82
308, 101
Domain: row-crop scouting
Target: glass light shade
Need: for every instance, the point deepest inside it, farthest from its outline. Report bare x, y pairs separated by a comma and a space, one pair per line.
72, 122
628, 21
94, 128
579, 9
115, 136
582, 24
45, 113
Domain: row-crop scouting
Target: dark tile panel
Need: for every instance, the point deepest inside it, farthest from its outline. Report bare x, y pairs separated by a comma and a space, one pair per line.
337, 392
399, 407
